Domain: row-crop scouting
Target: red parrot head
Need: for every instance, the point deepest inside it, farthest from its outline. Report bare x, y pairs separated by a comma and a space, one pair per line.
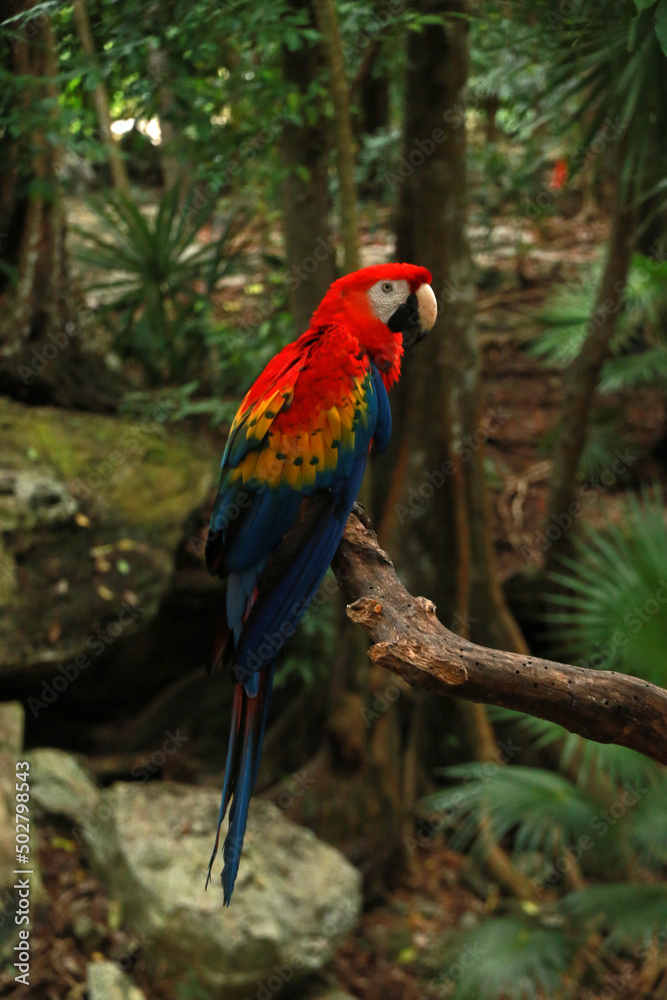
387, 306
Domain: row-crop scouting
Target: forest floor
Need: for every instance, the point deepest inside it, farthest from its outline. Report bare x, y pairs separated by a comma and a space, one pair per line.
393, 953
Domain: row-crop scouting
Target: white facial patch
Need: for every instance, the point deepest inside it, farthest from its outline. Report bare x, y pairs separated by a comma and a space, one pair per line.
387, 296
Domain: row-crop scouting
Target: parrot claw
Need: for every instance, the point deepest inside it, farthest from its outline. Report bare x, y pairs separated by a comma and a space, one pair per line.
359, 511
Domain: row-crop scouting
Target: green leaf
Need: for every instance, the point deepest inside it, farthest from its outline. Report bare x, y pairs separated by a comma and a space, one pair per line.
661, 25
27, 15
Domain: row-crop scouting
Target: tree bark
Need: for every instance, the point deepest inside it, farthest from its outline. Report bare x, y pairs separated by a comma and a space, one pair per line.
441, 521
374, 102
41, 359
159, 68
116, 163
310, 251
327, 22
409, 640
582, 377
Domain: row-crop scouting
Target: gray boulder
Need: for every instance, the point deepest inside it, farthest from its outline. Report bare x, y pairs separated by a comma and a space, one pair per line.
295, 898
105, 981
60, 785
91, 511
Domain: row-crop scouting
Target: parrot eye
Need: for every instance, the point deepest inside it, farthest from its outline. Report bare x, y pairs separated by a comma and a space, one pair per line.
387, 286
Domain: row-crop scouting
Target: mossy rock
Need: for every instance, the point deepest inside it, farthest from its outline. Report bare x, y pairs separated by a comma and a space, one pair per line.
91, 511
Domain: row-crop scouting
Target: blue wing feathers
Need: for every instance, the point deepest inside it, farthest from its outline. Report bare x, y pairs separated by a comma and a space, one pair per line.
382, 431
262, 526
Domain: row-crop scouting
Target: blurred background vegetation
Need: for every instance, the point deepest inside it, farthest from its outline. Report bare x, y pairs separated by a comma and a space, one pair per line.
180, 182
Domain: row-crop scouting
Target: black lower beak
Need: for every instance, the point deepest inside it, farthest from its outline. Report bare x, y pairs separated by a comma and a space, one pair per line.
414, 337
406, 321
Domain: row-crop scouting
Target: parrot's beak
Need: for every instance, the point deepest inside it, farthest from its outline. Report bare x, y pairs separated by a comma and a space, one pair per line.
416, 316
427, 308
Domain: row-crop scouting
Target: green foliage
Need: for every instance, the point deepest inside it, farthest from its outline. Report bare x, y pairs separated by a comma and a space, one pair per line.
604, 815
197, 65
648, 835
632, 371
159, 279
179, 403
243, 350
628, 914
595, 765
544, 811
509, 61
190, 988
605, 823
512, 957
639, 349
564, 321
611, 603
605, 434
378, 159
566, 316
608, 80
523, 955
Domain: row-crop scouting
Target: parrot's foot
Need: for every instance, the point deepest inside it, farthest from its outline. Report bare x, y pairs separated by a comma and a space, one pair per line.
359, 511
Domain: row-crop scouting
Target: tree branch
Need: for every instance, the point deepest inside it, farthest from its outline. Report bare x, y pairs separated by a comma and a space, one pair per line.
409, 640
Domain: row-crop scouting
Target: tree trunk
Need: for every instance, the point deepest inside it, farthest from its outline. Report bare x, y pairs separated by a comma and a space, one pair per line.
41, 359
440, 518
374, 102
581, 381
159, 68
310, 251
437, 511
116, 163
327, 22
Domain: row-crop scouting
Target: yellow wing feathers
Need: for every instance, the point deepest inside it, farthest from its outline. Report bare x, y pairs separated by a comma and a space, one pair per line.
282, 453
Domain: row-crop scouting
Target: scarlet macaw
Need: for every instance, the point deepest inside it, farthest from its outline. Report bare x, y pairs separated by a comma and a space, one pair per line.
291, 470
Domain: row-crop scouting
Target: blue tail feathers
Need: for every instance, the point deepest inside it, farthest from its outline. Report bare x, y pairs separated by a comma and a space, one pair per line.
249, 715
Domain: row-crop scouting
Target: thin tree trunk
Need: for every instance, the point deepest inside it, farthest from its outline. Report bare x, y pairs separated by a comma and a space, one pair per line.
327, 21
581, 380
311, 258
444, 537
159, 69
101, 98
444, 515
41, 356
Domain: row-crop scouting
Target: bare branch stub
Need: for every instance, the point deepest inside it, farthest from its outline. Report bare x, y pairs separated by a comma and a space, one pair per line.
409, 640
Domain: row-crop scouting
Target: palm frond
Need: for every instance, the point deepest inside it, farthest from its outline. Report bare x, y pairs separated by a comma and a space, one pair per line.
600, 767
510, 957
633, 370
610, 609
544, 811
648, 828
156, 269
611, 69
564, 321
628, 914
